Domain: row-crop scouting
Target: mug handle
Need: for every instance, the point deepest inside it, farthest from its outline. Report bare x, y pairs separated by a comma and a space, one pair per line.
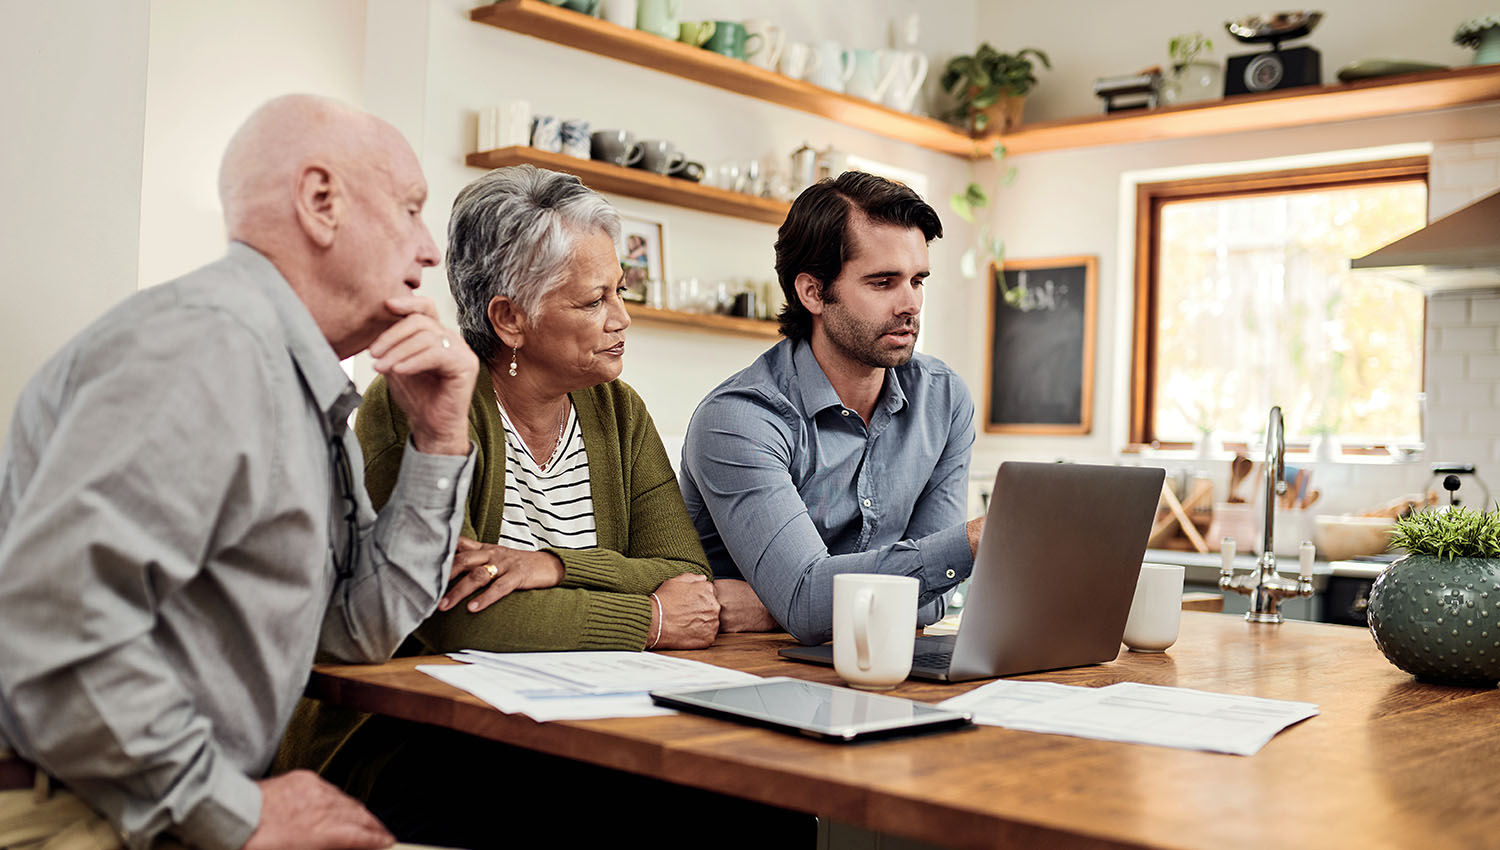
864, 605
760, 41
706, 32
634, 154
777, 45
676, 162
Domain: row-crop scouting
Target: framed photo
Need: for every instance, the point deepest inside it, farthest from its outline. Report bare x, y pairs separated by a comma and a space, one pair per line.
1041, 346
643, 254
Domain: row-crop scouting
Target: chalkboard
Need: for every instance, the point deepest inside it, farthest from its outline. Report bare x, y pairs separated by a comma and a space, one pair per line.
1041, 346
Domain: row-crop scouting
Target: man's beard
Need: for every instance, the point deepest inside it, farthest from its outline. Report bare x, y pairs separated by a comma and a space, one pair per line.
861, 341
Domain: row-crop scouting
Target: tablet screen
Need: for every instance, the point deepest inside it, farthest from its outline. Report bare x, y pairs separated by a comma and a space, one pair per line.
814, 708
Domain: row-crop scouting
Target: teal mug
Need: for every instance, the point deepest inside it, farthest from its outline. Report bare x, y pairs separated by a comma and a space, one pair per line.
730, 39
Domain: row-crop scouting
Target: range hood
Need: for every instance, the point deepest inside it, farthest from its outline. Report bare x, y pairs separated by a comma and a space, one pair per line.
1458, 251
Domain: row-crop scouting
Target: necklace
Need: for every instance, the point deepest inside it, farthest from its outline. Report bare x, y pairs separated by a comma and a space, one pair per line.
562, 422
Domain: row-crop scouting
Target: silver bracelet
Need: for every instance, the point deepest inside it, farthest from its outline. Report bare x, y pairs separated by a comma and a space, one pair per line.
659, 618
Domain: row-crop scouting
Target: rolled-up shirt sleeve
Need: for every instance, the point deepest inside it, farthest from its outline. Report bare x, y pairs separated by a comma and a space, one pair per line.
740, 457
402, 557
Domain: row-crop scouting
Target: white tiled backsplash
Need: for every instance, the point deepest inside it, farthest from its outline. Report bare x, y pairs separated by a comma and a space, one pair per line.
1463, 328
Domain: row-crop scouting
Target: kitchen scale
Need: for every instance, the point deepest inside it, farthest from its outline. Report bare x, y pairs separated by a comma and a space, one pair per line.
1276, 68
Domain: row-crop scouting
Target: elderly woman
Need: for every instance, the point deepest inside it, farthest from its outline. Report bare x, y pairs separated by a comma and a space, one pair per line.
575, 535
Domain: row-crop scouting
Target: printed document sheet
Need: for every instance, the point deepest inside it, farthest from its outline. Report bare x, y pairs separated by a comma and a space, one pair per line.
1135, 713
578, 685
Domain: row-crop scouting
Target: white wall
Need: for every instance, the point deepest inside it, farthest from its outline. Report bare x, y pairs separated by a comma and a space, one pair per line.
210, 66
72, 90
1088, 39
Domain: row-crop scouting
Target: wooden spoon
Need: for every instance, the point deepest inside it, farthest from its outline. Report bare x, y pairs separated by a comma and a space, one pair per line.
1239, 470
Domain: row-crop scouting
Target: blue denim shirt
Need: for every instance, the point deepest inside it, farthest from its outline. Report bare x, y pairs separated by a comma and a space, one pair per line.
789, 488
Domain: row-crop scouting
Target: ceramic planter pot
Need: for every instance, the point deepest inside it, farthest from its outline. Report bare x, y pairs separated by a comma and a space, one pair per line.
1439, 619
1005, 114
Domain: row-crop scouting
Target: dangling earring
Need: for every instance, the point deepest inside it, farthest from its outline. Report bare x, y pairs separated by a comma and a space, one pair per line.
513, 361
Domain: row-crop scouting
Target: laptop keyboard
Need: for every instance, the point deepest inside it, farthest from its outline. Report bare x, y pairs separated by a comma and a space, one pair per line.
933, 660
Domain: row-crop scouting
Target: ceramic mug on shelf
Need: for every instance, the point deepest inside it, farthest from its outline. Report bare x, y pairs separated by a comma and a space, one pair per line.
659, 17
873, 74
546, 133
617, 147
660, 156
731, 39
688, 170
798, 61
834, 66
695, 33
620, 12
575, 138
874, 626
1156, 610
772, 40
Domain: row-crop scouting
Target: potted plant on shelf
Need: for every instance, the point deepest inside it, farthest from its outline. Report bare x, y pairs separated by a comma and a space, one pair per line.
1191, 78
1482, 34
990, 87
1436, 612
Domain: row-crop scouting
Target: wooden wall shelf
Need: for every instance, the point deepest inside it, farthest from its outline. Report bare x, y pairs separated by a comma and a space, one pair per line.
735, 325
573, 29
1374, 98
635, 183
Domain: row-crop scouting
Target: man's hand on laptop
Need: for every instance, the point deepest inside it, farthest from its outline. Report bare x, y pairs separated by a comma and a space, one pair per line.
740, 610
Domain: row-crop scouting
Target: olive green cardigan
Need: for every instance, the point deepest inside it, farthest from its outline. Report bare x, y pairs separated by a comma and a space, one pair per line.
645, 538
644, 534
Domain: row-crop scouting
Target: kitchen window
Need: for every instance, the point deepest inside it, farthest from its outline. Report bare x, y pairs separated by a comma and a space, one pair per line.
1244, 300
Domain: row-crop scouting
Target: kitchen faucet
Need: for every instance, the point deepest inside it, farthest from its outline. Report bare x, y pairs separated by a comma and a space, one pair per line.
1265, 586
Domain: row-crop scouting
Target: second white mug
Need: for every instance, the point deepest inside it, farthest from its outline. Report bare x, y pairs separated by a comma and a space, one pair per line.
1156, 610
874, 628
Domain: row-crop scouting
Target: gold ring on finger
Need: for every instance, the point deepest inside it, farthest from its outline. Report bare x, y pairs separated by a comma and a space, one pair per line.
492, 570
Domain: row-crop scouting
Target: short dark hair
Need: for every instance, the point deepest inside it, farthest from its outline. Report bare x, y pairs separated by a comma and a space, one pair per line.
815, 236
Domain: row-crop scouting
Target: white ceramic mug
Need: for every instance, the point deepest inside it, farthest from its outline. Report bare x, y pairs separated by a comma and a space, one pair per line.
1156, 611
833, 67
772, 40
798, 61
621, 12
874, 628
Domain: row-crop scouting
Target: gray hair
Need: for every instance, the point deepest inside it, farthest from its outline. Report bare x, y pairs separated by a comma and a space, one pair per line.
513, 233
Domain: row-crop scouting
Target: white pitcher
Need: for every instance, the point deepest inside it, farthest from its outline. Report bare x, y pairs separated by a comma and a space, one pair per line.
799, 61
871, 77
912, 64
834, 66
911, 67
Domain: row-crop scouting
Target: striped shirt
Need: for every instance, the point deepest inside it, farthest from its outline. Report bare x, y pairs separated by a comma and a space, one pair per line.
547, 504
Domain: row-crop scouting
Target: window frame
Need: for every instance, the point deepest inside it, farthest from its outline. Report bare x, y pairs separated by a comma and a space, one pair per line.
1149, 200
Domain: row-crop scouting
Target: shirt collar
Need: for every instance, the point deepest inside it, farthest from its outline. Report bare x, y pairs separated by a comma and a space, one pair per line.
329, 386
818, 393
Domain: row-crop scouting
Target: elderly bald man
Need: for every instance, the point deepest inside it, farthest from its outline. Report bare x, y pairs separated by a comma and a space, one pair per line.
183, 520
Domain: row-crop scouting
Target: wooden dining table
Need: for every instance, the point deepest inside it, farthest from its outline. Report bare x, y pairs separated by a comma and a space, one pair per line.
1389, 762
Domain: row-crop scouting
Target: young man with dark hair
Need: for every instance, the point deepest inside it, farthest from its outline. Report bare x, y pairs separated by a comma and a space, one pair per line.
839, 450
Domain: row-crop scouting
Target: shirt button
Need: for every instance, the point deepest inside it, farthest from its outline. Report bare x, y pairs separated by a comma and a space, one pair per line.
951, 574
867, 503
845, 412
442, 483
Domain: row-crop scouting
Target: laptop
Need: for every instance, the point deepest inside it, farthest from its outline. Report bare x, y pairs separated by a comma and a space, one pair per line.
1053, 578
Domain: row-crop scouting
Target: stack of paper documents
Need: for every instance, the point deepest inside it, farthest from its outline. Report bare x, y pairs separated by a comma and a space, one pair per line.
1135, 713
578, 685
